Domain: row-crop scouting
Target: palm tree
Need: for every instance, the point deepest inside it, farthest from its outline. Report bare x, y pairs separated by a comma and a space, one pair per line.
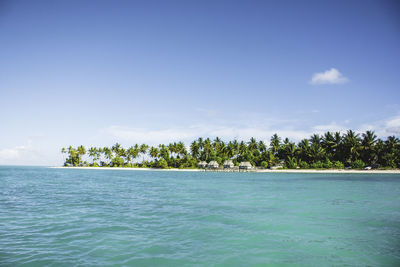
172, 149
154, 152
119, 155
315, 139
290, 150
368, 142
229, 150
107, 154
81, 152
181, 149
132, 153
317, 153
216, 143
328, 143
116, 149
235, 145
252, 145
73, 158
220, 150
143, 149
244, 153
391, 156
99, 151
195, 149
164, 152
92, 153
338, 146
391, 143
122, 153
275, 144
268, 157
262, 147
351, 146
207, 149
328, 148
63, 151
305, 153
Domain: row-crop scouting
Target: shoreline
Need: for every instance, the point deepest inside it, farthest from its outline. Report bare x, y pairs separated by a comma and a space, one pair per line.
397, 171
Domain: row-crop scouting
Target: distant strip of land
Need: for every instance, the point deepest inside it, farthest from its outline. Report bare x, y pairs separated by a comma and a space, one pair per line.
330, 152
394, 171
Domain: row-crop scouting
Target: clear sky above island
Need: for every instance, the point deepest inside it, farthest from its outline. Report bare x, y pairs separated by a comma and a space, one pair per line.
100, 72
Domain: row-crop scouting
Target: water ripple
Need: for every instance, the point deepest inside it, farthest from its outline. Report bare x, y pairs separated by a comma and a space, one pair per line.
52, 217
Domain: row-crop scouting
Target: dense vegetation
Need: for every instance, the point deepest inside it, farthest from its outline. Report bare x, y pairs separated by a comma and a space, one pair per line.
331, 150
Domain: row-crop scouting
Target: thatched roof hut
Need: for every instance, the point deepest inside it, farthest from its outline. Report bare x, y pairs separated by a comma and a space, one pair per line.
228, 164
245, 165
202, 164
212, 165
278, 166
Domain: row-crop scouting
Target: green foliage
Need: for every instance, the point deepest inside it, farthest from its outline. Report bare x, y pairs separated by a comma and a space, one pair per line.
317, 165
338, 165
264, 164
145, 164
328, 164
303, 165
162, 163
104, 164
358, 164
220, 160
117, 162
291, 163
329, 150
386, 168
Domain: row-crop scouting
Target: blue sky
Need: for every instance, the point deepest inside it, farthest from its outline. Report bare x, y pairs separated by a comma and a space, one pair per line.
100, 72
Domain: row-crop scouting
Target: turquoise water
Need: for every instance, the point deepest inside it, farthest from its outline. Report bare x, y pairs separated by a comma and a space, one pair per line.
69, 217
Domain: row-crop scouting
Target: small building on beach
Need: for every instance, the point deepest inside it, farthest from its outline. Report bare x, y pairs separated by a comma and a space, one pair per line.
213, 165
202, 164
278, 166
245, 165
228, 164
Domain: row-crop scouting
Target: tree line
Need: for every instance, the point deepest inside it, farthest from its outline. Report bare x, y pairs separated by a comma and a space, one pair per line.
330, 150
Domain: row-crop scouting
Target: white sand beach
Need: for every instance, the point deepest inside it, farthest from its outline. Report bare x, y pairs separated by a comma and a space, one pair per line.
395, 171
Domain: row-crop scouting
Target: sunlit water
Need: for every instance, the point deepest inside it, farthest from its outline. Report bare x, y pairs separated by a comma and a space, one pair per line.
69, 217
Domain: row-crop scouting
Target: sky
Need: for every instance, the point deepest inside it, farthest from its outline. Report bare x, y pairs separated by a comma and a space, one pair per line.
95, 73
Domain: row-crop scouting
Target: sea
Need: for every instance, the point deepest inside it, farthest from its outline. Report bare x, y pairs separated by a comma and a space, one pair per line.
78, 217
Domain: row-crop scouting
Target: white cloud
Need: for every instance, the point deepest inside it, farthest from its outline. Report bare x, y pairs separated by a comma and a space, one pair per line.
25, 155
188, 134
393, 126
383, 128
150, 136
34, 153
332, 127
332, 76
129, 135
7, 154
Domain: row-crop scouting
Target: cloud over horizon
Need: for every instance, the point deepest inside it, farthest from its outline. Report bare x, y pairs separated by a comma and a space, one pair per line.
332, 76
131, 135
12, 155
34, 154
190, 133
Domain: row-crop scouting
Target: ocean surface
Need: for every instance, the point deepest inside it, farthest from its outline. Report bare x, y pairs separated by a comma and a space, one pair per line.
71, 217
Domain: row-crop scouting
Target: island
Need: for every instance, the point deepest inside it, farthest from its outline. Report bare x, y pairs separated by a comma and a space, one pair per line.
329, 151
